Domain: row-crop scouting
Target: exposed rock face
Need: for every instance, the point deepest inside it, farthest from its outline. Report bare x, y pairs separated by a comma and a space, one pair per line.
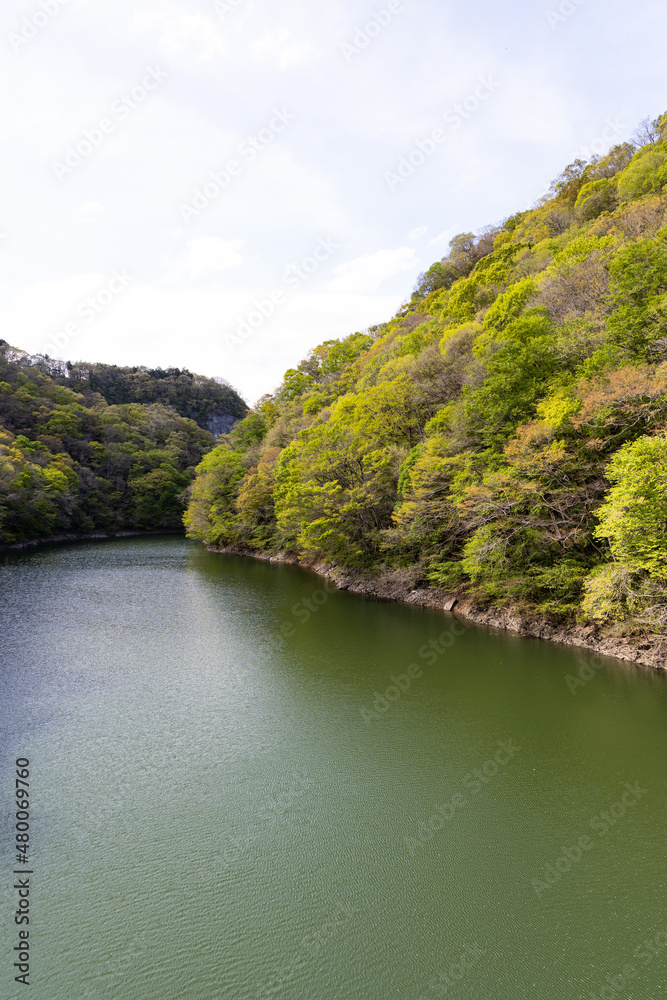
220, 423
401, 585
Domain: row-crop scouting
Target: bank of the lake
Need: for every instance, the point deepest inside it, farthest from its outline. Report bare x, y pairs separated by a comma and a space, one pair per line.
647, 650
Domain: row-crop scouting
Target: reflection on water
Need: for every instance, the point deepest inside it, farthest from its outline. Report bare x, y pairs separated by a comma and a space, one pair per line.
242, 790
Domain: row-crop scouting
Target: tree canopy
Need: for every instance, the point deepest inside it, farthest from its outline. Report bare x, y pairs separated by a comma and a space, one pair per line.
503, 435
72, 460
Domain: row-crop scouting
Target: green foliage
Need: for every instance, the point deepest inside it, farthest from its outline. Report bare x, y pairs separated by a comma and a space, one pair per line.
556, 589
255, 503
634, 517
504, 435
295, 383
510, 305
337, 483
633, 521
426, 519
69, 462
596, 197
437, 276
344, 352
447, 574
313, 404
605, 594
580, 248
251, 430
639, 295
475, 435
465, 250
157, 496
646, 173
192, 396
520, 365
415, 342
211, 516
440, 423
36, 489
405, 472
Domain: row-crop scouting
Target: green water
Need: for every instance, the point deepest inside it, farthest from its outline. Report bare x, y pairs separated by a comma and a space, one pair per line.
219, 810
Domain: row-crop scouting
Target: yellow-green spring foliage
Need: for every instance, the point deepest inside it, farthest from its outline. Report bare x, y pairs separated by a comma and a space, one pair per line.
504, 434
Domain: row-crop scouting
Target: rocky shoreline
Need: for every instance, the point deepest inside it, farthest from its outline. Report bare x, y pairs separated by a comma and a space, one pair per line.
401, 585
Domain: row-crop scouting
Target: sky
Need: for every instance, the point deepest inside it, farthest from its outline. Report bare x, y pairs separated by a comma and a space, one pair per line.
221, 185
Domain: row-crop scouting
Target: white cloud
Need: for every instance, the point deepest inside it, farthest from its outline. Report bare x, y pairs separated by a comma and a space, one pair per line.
323, 175
184, 35
283, 49
202, 255
90, 212
184, 327
368, 272
445, 236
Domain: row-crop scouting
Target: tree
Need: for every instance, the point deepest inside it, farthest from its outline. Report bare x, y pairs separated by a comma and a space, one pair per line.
638, 286
465, 250
211, 515
634, 517
467, 437
650, 131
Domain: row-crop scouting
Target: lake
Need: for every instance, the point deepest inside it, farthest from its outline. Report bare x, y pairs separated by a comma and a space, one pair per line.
244, 785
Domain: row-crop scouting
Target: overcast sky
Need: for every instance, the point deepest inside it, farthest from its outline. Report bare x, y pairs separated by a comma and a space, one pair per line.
350, 141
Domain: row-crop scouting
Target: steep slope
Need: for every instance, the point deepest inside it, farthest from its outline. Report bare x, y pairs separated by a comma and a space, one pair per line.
73, 461
504, 436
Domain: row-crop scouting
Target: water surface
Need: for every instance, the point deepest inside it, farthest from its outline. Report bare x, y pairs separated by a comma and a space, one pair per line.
232, 798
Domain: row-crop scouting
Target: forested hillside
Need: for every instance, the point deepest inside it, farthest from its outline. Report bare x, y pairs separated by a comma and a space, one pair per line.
211, 403
73, 460
505, 434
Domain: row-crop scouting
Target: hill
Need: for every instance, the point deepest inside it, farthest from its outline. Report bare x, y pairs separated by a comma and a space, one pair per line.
504, 436
86, 448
